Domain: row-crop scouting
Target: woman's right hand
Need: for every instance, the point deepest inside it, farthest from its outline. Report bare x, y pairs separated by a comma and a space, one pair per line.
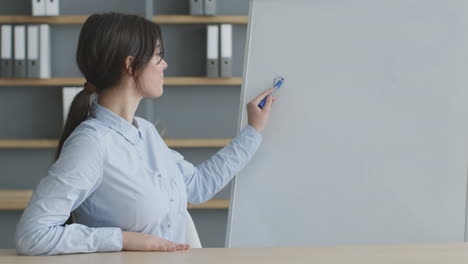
133, 241
257, 117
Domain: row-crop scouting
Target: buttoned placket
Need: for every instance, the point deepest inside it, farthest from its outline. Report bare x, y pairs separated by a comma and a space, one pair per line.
172, 190
171, 205
175, 188
162, 179
166, 184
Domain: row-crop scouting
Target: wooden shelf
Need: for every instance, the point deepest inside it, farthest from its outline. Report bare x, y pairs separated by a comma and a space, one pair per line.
58, 20
42, 82
14, 199
168, 81
211, 204
187, 19
18, 200
187, 81
173, 143
160, 19
28, 143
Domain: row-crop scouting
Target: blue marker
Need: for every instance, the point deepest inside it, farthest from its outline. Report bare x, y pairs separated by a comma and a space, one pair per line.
277, 82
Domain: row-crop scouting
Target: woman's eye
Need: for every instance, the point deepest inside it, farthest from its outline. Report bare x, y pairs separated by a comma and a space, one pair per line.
159, 57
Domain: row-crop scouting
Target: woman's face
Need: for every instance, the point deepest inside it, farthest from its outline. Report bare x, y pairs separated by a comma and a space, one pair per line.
152, 78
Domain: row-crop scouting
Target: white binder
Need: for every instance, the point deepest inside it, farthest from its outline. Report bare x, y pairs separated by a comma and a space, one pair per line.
210, 7
32, 62
38, 7
196, 7
19, 58
44, 51
226, 50
212, 50
6, 56
52, 7
68, 94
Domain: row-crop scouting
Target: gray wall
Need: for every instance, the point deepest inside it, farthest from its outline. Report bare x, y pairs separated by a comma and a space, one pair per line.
186, 112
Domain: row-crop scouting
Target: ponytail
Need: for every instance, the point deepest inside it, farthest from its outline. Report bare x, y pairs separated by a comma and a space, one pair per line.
78, 113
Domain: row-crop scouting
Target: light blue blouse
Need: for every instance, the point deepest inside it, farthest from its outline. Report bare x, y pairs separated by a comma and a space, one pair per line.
117, 176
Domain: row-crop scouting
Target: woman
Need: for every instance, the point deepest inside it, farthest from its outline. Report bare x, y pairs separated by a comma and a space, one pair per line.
125, 187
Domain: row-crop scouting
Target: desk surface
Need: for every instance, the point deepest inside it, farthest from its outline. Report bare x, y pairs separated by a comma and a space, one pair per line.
417, 253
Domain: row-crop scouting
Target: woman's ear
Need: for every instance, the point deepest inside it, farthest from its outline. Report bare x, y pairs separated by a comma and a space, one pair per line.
128, 64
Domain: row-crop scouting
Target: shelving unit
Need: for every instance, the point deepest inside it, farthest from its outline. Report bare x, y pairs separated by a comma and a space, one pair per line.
18, 200
76, 81
161, 19
193, 84
173, 143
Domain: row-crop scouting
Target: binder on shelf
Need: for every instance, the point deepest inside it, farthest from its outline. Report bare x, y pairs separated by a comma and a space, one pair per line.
6, 56
38, 7
196, 7
212, 49
210, 7
44, 51
19, 51
226, 50
52, 7
32, 62
68, 94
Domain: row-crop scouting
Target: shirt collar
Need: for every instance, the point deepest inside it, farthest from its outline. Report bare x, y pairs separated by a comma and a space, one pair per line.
116, 122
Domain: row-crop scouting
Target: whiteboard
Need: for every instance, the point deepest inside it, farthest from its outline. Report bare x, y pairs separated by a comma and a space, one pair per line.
367, 143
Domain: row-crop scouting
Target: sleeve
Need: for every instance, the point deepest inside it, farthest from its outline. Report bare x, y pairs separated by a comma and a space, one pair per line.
70, 180
208, 178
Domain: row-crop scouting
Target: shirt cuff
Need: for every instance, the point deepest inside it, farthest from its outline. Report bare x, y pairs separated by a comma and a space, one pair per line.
252, 131
110, 239
249, 138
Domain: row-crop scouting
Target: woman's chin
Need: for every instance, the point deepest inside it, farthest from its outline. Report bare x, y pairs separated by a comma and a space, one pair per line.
156, 94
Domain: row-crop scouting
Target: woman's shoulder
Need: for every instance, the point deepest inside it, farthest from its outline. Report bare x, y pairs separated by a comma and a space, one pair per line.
92, 127
91, 130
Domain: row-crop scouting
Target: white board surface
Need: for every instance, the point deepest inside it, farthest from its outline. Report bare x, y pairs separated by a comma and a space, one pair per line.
367, 143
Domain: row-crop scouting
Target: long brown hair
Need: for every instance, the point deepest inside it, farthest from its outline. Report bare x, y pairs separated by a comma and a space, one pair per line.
104, 43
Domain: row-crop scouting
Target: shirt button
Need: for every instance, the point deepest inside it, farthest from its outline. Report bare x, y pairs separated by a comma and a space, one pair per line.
172, 200
169, 226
